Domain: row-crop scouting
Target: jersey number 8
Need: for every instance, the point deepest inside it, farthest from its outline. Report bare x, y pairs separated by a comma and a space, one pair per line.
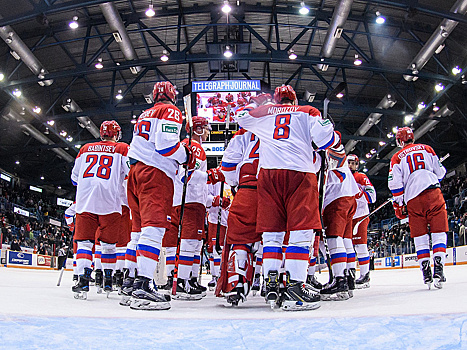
282, 129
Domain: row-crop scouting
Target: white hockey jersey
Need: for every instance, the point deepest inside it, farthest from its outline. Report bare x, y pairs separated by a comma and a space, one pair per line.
240, 160
197, 188
213, 212
413, 169
366, 195
287, 134
156, 139
98, 173
70, 213
339, 183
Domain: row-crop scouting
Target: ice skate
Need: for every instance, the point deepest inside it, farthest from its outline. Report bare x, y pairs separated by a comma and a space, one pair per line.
99, 281
146, 297
168, 286
314, 283
81, 289
350, 274
272, 288
108, 280
212, 283
118, 280
194, 284
92, 281
127, 289
427, 276
299, 296
75, 279
363, 281
185, 291
438, 275
337, 290
256, 287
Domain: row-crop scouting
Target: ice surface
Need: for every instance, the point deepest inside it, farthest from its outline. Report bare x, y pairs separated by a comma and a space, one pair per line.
396, 312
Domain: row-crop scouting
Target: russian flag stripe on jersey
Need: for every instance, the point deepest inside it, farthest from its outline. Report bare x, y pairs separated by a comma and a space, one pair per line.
228, 166
313, 261
272, 253
170, 259
424, 253
439, 248
338, 258
398, 192
108, 258
364, 261
84, 254
297, 253
340, 175
147, 251
351, 257
196, 259
329, 144
185, 260
166, 152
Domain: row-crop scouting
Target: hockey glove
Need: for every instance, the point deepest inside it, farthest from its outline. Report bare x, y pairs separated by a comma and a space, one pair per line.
215, 175
190, 158
225, 202
400, 210
71, 227
336, 156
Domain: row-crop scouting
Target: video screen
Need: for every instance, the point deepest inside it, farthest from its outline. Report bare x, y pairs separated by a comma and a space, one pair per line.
214, 105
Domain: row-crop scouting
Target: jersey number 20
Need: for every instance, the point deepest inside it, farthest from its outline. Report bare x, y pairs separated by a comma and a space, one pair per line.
282, 129
103, 171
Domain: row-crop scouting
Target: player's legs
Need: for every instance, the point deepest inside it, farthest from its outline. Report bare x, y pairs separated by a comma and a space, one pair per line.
239, 272
85, 231
197, 260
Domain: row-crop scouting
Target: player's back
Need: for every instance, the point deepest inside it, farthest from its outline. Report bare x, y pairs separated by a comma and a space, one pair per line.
99, 171
162, 118
287, 134
417, 166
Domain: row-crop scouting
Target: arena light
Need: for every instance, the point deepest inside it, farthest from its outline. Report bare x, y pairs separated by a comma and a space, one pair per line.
150, 11
2, 76
78, 146
439, 87
227, 52
421, 105
119, 95
373, 151
389, 135
408, 118
17, 92
69, 138
74, 23
63, 133
164, 57
394, 130
357, 60
226, 8
368, 155
365, 169
36, 109
304, 10
292, 54
382, 143
362, 162
435, 107
51, 122
99, 64
17, 162
340, 95
456, 70
42, 178
380, 19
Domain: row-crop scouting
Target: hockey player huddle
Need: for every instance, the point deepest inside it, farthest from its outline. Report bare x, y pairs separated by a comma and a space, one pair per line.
134, 200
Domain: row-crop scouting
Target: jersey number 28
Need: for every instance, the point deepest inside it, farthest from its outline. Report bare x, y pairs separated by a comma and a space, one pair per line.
104, 168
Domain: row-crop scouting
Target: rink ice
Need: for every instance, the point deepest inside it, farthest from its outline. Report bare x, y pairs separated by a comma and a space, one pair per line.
396, 312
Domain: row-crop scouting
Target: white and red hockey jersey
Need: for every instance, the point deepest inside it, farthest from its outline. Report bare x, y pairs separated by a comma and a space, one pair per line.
213, 212
240, 160
70, 213
287, 135
197, 188
156, 139
413, 169
98, 173
365, 196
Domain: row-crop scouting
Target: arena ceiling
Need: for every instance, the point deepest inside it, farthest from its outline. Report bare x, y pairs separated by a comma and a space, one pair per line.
393, 86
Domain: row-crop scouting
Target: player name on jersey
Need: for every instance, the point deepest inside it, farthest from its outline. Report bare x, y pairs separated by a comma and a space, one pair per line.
102, 148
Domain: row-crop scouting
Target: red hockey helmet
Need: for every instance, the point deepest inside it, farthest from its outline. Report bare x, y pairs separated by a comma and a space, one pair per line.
110, 128
403, 135
284, 92
199, 123
352, 157
241, 101
229, 97
164, 91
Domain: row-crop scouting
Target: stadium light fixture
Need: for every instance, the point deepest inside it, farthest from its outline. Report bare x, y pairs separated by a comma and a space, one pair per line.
74, 23
389, 135
408, 118
456, 70
373, 151
394, 130
365, 169
78, 146
335, 94
51, 122
63, 133
380, 19
362, 162
382, 143
164, 57
119, 95
368, 155
17, 162
150, 10
227, 52
42, 178
421, 105
36, 109
292, 54
439, 87
226, 8
357, 60
99, 64
304, 10
2, 76
17, 92
69, 138
435, 107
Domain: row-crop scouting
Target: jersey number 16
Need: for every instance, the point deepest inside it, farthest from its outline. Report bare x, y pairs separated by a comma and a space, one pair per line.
415, 161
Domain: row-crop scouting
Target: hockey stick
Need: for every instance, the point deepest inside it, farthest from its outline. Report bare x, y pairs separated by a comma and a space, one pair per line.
219, 215
355, 229
189, 120
321, 197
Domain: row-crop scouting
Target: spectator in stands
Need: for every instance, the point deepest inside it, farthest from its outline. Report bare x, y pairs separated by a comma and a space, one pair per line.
41, 249
15, 246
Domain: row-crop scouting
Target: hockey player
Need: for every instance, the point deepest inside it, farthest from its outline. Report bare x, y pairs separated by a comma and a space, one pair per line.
288, 190
155, 155
365, 196
98, 173
70, 213
339, 207
193, 216
414, 179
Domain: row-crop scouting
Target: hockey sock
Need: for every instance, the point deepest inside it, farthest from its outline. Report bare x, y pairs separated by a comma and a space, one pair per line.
148, 250
422, 246
83, 256
259, 259
272, 251
120, 258
75, 269
297, 254
363, 258
338, 255
438, 240
350, 253
211, 264
109, 255
196, 260
97, 256
216, 263
185, 259
312, 266
170, 260
130, 254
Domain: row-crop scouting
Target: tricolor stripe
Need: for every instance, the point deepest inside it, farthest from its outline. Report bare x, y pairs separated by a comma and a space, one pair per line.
147, 251
108, 258
364, 261
424, 253
329, 144
297, 253
167, 152
272, 253
185, 260
313, 261
130, 255
243, 247
398, 192
351, 258
84, 254
217, 262
196, 259
340, 175
228, 166
170, 259
259, 261
439, 248
338, 258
